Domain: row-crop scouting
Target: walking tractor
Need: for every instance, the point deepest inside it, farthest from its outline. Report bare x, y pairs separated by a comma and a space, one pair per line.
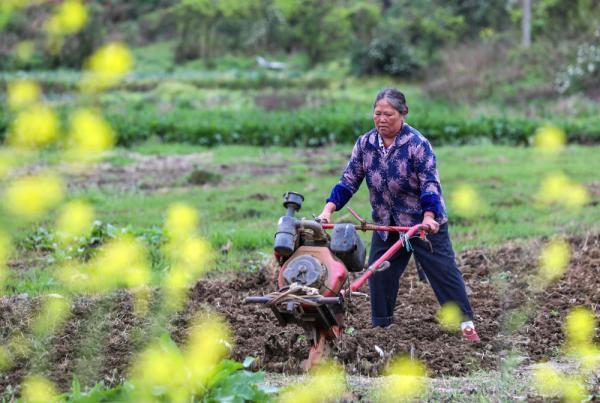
314, 288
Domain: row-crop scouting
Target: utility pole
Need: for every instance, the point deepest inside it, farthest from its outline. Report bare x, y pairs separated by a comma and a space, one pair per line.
526, 23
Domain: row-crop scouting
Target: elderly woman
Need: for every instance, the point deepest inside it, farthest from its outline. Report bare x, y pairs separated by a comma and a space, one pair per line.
404, 186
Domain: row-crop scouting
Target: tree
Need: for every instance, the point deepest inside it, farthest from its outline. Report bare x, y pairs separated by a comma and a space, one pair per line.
320, 28
197, 22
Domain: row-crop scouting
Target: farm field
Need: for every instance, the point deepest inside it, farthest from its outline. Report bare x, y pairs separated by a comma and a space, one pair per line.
152, 154
237, 190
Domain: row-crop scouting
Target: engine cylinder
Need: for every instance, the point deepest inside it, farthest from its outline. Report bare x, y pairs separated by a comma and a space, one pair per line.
305, 270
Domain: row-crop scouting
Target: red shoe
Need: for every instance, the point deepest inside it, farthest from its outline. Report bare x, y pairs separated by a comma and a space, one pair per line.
470, 334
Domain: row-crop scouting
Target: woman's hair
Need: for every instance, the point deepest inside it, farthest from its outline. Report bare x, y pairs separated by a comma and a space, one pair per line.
395, 98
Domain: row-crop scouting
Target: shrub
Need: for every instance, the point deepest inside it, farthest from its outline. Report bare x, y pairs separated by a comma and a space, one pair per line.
385, 54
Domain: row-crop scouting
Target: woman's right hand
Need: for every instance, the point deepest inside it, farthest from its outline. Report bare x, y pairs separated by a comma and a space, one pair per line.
325, 216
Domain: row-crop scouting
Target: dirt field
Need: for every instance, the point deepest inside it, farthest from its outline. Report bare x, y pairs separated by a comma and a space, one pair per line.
497, 281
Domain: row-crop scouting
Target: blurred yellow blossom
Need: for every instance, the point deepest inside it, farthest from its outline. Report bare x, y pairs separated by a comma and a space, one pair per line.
554, 259
577, 196
588, 356
574, 391
580, 326
7, 161
160, 371
209, 343
37, 389
22, 93
181, 221
32, 196
75, 220
54, 311
69, 17
121, 262
466, 201
5, 251
24, 51
550, 139
450, 317
90, 135
33, 127
175, 285
548, 381
107, 67
558, 188
327, 382
406, 380
195, 253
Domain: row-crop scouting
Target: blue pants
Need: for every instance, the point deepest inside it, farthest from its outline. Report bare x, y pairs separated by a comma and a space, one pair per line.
439, 266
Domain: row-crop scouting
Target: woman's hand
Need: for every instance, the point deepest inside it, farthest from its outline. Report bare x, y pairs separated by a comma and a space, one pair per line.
325, 216
429, 221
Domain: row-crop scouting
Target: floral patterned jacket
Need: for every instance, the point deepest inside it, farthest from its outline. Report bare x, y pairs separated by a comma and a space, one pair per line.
403, 180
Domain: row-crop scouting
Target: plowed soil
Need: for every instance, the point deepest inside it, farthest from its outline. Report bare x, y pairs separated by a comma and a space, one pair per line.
498, 283
510, 315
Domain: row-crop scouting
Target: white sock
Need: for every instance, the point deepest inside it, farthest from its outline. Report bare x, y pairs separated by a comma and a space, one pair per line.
467, 324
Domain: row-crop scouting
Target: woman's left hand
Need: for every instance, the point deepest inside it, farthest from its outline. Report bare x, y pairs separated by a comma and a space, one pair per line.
431, 223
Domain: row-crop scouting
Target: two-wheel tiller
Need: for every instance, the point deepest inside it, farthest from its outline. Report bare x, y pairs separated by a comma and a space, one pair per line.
313, 285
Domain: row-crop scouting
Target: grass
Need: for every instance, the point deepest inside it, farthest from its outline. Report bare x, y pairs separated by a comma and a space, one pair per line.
240, 213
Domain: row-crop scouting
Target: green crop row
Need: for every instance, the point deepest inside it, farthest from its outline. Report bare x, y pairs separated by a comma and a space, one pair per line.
331, 123
64, 81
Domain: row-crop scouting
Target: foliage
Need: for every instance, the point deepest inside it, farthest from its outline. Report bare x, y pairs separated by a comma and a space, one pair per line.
232, 382
584, 72
84, 247
385, 54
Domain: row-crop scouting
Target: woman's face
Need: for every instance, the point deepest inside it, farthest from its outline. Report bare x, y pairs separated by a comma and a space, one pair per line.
388, 120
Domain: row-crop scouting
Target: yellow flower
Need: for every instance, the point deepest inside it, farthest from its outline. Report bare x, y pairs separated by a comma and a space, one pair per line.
550, 139
588, 356
5, 251
207, 346
31, 197
7, 161
554, 260
406, 380
33, 127
107, 67
326, 383
576, 196
574, 391
53, 313
24, 51
121, 262
450, 317
71, 16
75, 220
23, 93
181, 221
548, 381
580, 326
90, 134
558, 188
160, 371
466, 201
38, 389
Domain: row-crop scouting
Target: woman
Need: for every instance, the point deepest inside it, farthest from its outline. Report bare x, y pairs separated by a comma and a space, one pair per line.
400, 168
